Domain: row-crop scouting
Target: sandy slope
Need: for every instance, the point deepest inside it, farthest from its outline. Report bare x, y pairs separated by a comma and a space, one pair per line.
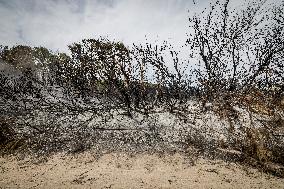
123, 171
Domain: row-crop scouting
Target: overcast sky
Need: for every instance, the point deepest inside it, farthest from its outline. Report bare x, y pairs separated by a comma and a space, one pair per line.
57, 23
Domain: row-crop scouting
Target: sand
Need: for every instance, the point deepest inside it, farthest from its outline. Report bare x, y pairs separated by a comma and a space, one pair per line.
86, 170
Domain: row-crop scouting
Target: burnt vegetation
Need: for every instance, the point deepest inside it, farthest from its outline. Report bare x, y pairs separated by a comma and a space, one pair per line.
105, 95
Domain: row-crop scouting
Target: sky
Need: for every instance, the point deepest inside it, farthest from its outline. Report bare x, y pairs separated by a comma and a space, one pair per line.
57, 23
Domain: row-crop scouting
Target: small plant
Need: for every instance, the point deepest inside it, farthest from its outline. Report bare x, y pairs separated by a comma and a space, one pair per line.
8, 140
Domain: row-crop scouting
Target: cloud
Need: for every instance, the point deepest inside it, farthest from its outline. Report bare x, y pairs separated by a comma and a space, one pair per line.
57, 23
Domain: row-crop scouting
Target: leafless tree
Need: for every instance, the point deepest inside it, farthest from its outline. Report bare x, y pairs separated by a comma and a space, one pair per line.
239, 50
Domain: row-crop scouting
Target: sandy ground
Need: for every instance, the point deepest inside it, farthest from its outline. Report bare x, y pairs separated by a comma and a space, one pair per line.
86, 170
